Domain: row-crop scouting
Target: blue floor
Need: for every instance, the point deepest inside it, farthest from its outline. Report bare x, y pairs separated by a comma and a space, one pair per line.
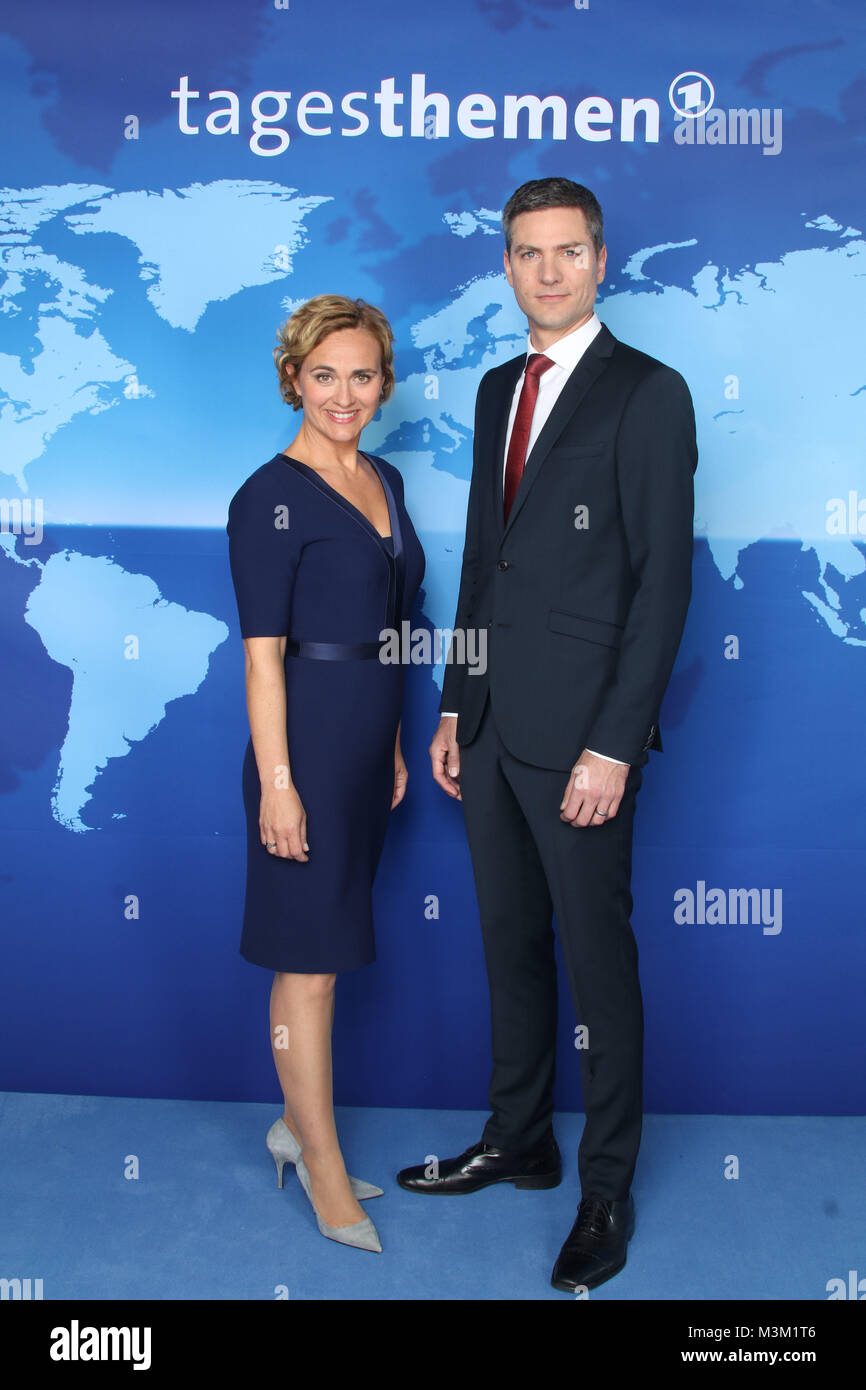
205, 1220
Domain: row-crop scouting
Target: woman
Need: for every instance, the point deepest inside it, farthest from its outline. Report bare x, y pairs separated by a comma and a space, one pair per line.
323, 557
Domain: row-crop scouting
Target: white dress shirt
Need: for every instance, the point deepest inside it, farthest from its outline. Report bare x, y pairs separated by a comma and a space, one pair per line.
565, 354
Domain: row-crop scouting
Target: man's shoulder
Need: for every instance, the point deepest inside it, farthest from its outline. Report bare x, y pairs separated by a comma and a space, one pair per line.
635, 360
504, 374
637, 365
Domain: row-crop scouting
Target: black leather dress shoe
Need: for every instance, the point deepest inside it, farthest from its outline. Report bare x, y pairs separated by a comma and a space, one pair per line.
482, 1164
596, 1246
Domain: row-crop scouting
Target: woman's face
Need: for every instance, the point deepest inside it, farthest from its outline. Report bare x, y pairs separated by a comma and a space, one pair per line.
340, 384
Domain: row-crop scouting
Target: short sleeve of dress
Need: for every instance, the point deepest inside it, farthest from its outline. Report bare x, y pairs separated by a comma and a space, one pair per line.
264, 550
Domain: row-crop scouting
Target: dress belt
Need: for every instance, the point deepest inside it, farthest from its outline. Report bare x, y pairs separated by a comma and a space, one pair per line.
334, 651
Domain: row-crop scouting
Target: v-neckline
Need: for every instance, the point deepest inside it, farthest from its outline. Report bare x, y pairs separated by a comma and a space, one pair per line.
343, 500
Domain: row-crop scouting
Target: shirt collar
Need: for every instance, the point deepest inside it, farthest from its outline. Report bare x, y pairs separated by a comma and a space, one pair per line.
566, 352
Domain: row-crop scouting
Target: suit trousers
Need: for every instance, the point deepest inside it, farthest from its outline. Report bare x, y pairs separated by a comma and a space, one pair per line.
528, 865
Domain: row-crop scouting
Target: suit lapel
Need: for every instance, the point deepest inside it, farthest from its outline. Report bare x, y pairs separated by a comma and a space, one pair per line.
499, 411
588, 369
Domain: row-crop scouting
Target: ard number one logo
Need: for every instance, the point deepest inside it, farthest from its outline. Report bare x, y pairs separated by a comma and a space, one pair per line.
696, 93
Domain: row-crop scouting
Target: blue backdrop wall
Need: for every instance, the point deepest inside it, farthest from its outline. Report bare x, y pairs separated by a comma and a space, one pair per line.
179, 177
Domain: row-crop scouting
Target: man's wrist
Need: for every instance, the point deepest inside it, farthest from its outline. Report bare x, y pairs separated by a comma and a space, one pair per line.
619, 762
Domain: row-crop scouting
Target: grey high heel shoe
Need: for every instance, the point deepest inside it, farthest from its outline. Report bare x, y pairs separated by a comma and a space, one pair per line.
285, 1148
362, 1234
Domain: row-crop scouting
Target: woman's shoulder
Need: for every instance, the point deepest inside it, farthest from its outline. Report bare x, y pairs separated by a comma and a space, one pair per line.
270, 477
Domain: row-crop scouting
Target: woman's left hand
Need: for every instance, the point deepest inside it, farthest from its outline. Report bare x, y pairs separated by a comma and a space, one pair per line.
401, 777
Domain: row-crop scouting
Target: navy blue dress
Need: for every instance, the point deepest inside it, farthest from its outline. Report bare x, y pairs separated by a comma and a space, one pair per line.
308, 565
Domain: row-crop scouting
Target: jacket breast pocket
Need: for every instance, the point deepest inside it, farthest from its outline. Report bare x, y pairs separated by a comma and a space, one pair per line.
590, 629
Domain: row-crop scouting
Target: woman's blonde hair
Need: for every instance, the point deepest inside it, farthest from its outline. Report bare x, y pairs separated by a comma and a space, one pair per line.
313, 321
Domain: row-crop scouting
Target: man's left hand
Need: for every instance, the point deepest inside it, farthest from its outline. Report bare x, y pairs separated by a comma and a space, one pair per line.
594, 792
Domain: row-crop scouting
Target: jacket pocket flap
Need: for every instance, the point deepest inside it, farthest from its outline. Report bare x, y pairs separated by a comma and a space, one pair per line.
591, 629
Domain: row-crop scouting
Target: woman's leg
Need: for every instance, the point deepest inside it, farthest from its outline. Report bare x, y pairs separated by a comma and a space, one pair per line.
302, 1015
278, 1044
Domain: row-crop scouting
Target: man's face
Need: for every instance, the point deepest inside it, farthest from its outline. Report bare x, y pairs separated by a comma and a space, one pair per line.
554, 271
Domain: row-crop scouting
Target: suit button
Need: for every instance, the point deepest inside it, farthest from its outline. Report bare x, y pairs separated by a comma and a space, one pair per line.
503, 564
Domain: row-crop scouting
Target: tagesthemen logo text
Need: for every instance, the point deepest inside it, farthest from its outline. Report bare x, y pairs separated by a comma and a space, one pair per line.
418, 113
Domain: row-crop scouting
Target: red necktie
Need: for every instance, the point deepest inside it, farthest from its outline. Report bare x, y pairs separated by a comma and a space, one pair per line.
536, 364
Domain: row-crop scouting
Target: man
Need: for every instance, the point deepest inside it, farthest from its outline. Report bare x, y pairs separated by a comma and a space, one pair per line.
577, 561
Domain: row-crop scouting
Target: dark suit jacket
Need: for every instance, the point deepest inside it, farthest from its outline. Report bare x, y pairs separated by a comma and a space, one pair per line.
584, 592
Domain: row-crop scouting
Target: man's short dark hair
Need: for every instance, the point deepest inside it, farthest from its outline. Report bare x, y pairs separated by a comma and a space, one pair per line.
554, 193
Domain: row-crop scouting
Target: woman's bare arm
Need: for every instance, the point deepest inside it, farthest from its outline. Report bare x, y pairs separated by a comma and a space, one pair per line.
282, 818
